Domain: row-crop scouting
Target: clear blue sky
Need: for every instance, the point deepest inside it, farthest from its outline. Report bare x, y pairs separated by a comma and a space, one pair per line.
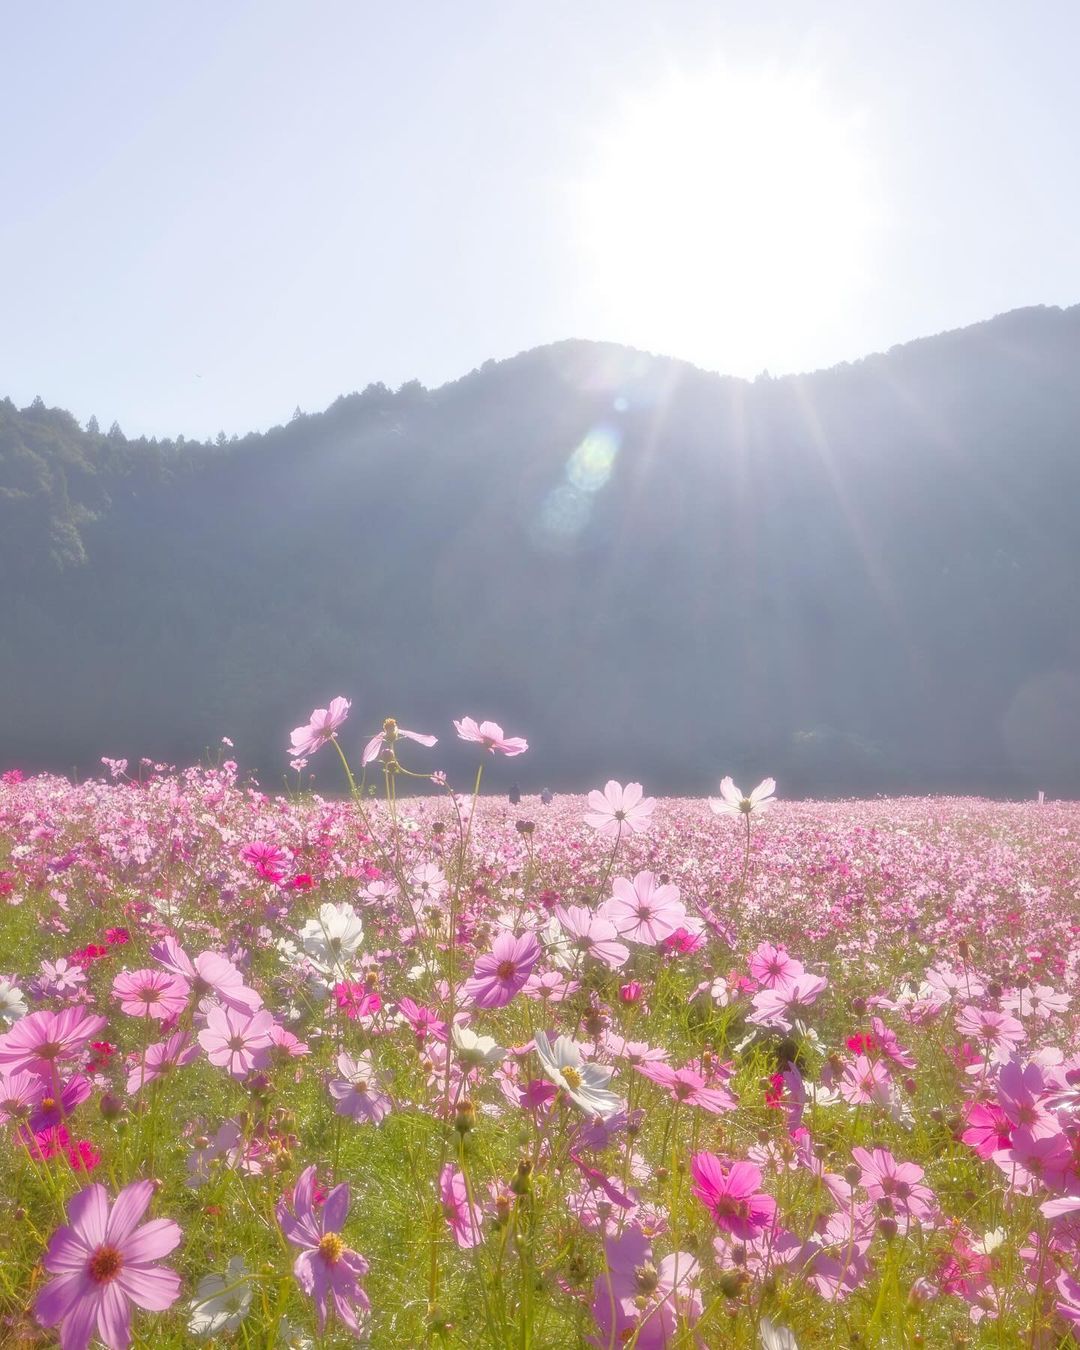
215, 212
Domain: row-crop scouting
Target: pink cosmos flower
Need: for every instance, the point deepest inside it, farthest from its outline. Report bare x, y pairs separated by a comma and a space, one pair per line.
643, 911
178, 1050
41, 1040
549, 986
463, 1217
322, 727
731, 801
987, 1128
779, 1007
151, 993
642, 1301
889, 1045
1021, 1089
356, 1093
103, 1262
423, 1021
498, 976
52, 1109
593, 935
865, 1083
619, 809
235, 1041
729, 1191
268, 860
390, 733
1031, 1162
209, 973
899, 1183
685, 1085
325, 1268
999, 1033
490, 736
19, 1093
773, 967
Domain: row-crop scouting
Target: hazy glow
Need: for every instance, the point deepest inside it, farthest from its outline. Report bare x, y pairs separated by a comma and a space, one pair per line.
568, 507
728, 217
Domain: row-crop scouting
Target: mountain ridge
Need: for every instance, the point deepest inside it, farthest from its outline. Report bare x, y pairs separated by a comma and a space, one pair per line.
877, 559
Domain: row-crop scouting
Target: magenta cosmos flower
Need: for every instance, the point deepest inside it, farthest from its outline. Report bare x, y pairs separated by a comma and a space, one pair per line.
730, 1192
499, 975
490, 736
40, 1040
151, 993
322, 726
619, 808
103, 1262
325, 1268
237, 1041
643, 911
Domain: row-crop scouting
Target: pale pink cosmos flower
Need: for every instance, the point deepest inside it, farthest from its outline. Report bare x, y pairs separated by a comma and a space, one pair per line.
235, 1041
889, 1045
499, 975
160, 1058
619, 808
41, 1040
590, 934
19, 1094
644, 911
356, 1093
686, 1085
460, 1213
210, 973
780, 1007
730, 1192
321, 727
390, 733
549, 986
326, 1268
490, 736
999, 1033
151, 993
1021, 1091
60, 977
899, 1183
773, 967
103, 1262
732, 802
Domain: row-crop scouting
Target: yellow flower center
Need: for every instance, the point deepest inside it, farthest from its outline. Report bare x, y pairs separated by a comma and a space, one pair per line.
572, 1077
331, 1249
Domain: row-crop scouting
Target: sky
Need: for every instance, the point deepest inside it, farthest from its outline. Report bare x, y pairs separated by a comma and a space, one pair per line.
215, 213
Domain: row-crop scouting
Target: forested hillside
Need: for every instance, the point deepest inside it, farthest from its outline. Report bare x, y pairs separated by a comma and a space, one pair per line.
862, 579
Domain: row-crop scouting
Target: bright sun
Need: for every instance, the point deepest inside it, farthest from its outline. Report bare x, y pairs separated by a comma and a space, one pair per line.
729, 219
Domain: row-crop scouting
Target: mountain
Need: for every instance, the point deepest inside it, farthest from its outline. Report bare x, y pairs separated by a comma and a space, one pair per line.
863, 579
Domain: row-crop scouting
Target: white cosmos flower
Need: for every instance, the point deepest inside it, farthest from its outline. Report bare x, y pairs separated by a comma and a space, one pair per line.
475, 1050
221, 1303
12, 1002
731, 801
772, 1336
333, 937
584, 1083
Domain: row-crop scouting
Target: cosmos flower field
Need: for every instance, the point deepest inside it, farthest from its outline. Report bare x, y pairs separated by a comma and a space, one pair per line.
421, 1067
